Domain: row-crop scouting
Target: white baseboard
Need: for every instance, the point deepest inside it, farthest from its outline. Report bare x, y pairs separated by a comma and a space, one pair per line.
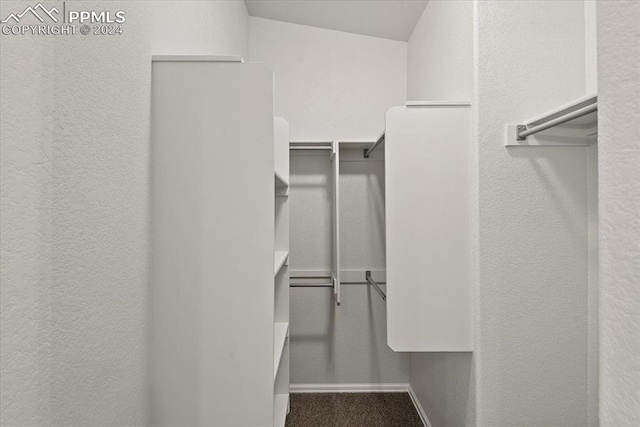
349, 388
419, 408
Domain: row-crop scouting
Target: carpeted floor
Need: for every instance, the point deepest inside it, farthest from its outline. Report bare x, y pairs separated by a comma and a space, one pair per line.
352, 410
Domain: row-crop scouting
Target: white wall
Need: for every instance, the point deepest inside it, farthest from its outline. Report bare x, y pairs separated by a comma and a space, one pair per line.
330, 84
533, 306
591, 45
593, 327
75, 209
619, 184
440, 53
440, 67
591, 76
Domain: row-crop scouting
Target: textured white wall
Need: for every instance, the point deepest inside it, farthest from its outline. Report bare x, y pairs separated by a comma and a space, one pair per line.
593, 327
331, 84
591, 75
75, 209
440, 67
591, 45
619, 187
532, 362
440, 53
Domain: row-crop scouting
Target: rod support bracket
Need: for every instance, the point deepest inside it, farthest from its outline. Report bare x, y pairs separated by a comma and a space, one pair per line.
371, 282
519, 130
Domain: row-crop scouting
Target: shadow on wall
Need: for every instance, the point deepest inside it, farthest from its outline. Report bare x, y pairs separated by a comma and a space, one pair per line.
346, 344
455, 405
326, 338
555, 169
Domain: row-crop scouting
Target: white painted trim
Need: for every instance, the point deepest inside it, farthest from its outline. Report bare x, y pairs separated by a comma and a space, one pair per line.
349, 388
438, 103
197, 58
356, 142
419, 408
303, 141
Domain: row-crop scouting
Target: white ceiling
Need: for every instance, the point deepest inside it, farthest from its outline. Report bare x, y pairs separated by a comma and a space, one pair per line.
390, 19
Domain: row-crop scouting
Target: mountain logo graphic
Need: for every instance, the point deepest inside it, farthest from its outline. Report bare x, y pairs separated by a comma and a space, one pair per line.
39, 11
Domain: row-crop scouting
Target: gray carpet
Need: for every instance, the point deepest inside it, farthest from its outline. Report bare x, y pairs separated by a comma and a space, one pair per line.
352, 410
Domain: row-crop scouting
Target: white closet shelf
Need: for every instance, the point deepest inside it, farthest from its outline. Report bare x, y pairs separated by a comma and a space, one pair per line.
280, 181
197, 58
438, 103
280, 261
280, 332
280, 407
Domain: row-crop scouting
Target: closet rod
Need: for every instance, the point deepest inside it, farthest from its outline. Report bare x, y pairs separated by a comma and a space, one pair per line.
368, 151
328, 285
523, 132
311, 285
367, 276
323, 285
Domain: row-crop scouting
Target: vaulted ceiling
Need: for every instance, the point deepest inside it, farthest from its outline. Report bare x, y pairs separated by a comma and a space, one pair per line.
390, 19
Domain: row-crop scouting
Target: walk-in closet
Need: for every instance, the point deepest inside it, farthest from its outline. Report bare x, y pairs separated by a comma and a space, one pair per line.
317, 154
345, 213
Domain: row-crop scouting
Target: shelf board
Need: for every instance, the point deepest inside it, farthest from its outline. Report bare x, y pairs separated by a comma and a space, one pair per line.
280, 409
197, 58
280, 181
280, 332
280, 260
438, 103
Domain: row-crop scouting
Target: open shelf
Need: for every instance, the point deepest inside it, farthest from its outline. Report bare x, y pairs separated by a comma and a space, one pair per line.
197, 58
281, 343
280, 259
281, 330
280, 409
280, 181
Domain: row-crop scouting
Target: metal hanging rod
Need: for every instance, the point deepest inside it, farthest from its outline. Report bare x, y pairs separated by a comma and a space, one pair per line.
327, 285
555, 120
311, 285
367, 276
322, 285
368, 151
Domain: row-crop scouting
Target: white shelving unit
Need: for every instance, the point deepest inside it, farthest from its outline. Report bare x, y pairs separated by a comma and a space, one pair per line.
281, 272
220, 304
281, 409
280, 332
428, 199
281, 258
281, 182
